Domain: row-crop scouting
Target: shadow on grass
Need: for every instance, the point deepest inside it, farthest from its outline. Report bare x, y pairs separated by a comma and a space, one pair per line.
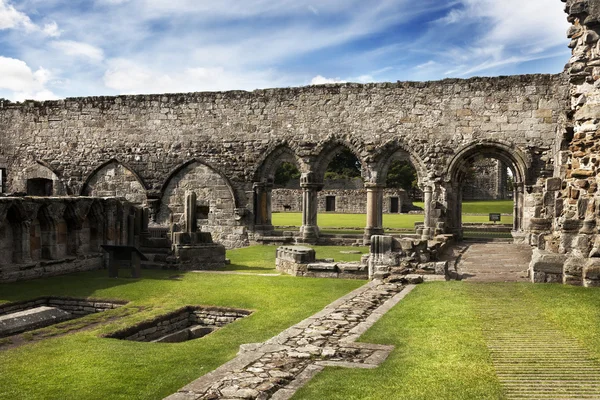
242, 268
79, 284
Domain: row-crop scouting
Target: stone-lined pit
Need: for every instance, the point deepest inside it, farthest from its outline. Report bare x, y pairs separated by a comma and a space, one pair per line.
41, 312
187, 323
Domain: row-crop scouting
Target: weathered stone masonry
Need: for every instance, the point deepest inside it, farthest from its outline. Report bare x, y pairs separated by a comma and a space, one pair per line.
149, 146
566, 232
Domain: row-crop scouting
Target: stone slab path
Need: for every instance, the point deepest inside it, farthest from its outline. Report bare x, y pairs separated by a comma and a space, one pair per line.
532, 358
493, 262
277, 368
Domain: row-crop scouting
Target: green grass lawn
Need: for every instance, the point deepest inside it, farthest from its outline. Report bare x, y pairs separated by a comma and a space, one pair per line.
440, 350
483, 206
261, 259
83, 366
327, 221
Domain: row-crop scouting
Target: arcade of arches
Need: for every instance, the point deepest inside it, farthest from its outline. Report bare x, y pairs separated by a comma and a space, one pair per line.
227, 146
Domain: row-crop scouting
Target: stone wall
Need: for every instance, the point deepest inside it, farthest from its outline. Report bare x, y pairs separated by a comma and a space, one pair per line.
100, 144
346, 201
74, 306
566, 230
487, 182
163, 325
214, 194
46, 236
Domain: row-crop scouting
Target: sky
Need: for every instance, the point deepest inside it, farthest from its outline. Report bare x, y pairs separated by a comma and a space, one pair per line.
52, 49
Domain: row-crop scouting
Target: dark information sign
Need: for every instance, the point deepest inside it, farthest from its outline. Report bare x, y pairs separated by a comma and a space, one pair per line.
495, 217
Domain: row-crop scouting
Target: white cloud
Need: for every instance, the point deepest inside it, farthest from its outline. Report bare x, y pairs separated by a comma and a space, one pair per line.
11, 18
321, 80
51, 29
79, 49
18, 78
129, 77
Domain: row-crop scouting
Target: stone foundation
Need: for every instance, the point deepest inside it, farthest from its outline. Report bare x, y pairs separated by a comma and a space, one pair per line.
45, 311
187, 323
301, 261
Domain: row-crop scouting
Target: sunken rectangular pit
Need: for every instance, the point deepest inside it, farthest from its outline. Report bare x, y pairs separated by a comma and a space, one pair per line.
187, 323
28, 315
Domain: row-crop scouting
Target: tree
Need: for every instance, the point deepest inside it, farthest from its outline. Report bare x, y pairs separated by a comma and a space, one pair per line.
285, 173
401, 175
344, 165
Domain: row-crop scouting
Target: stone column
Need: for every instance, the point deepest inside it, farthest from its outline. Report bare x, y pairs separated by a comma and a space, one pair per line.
191, 220
374, 211
517, 206
427, 205
309, 231
262, 206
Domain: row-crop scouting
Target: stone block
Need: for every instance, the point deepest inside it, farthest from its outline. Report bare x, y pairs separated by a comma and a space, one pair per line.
33, 318
546, 266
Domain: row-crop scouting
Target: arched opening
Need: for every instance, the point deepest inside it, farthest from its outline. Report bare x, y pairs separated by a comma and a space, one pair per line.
276, 189
394, 189
47, 236
337, 188
113, 179
215, 201
39, 180
7, 240
95, 220
484, 194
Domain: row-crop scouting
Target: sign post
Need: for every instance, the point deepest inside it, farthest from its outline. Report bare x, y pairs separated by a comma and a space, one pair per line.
495, 217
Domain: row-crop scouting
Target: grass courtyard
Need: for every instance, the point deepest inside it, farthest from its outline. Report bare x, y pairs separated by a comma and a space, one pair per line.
440, 350
473, 212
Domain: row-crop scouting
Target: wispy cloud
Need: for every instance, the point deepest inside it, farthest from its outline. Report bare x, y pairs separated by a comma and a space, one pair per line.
142, 46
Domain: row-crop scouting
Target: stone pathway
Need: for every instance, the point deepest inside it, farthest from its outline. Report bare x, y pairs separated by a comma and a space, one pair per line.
533, 359
494, 262
278, 367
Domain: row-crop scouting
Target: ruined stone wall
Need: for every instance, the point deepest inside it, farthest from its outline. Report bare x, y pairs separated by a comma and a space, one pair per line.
487, 182
346, 201
46, 236
153, 136
214, 192
568, 244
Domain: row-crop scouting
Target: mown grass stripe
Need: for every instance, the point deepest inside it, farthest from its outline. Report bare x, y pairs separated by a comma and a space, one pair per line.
528, 368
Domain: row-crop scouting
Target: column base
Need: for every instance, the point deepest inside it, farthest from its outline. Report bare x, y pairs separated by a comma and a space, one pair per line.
267, 228
309, 234
371, 232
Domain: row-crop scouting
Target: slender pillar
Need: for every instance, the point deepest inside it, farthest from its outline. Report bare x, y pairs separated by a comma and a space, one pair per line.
262, 206
191, 221
517, 206
309, 231
374, 211
427, 204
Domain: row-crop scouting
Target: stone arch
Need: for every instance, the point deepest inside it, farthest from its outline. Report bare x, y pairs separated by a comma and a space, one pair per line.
37, 174
510, 155
329, 150
390, 152
115, 179
456, 170
268, 164
215, 195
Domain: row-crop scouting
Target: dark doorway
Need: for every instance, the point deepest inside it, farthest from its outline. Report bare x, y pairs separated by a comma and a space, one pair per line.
394, 205
330, 203
39, 187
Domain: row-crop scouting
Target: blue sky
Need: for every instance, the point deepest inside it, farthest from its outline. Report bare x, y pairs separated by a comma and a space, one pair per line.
63, 48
